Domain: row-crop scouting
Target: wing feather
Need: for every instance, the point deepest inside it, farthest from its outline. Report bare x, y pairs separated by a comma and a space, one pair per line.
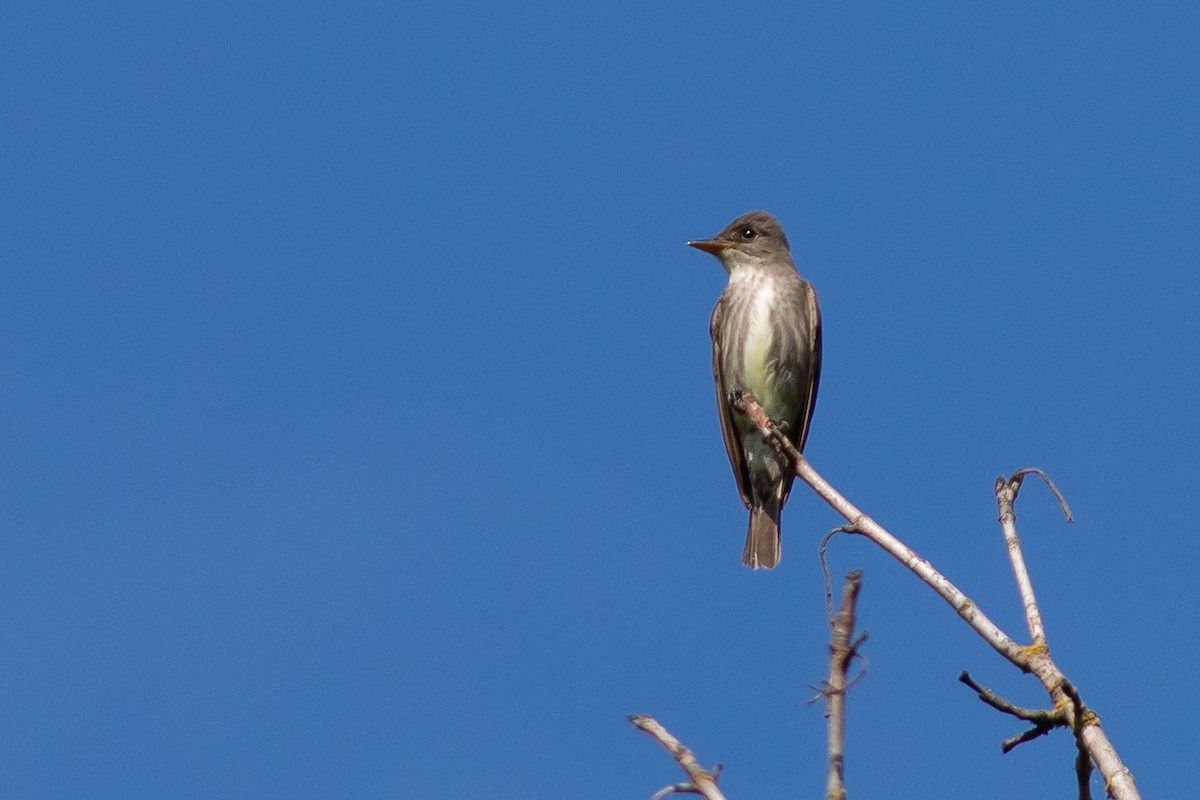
812, 315
814, 327
733, 447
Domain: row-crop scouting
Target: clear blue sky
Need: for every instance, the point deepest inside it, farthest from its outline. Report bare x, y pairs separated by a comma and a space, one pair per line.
359, 433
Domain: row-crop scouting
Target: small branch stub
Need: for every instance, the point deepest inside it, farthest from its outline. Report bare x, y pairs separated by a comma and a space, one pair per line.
1044, 720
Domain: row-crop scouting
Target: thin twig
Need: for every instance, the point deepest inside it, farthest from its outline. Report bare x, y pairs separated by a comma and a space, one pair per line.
703, 782
1062, 501
841, 653
822, 691
825, 568
1028, 736
1037, 716
1044, 720
1006, 496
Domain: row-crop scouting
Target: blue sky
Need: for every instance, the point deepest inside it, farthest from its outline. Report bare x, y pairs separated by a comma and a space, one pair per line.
360, 438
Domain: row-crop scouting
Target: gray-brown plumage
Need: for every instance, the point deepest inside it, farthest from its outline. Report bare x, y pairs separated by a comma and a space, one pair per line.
766, 333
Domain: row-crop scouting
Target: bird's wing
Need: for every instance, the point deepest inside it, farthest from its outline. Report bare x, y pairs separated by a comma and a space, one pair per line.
812, 316
725, 409
813, 312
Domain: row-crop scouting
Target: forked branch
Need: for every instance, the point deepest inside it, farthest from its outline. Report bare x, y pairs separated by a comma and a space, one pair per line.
1034, 659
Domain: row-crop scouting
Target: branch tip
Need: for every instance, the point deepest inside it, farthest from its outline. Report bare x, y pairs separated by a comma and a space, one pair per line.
1054, 717
1020, 474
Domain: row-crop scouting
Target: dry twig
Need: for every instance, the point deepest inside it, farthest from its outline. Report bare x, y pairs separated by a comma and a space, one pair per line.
1044, 720
702, 781
1006, 496
825, 569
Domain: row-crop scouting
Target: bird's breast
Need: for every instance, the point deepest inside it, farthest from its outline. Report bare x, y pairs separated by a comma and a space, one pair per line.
756, 350
759, 338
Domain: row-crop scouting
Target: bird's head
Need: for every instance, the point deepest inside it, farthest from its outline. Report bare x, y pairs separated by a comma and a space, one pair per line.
752, 236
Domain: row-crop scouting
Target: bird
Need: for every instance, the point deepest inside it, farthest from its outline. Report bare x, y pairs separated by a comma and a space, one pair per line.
766, 337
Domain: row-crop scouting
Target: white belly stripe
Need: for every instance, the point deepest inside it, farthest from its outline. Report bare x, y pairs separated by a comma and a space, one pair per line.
758, 343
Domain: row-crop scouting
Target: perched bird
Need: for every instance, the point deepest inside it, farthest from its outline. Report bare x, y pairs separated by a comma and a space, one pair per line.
766, 333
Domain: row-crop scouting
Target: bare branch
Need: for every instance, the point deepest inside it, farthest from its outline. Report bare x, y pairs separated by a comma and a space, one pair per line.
1028, 736
1118, 781
1044, 720
702, 781
862, 524
1034, 659
841, 652
1006, 496
1038, 716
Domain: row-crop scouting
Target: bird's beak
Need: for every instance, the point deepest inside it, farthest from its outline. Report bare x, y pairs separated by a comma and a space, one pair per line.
713, 246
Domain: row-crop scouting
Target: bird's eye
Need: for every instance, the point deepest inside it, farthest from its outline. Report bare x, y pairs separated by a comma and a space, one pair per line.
749, 233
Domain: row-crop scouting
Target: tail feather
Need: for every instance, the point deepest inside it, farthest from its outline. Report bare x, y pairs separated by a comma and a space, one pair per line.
763, 546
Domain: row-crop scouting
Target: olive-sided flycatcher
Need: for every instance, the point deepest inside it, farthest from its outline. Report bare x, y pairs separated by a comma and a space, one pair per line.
766, 333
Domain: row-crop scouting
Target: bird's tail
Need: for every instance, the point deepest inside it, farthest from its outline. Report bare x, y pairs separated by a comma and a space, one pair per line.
763, 545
